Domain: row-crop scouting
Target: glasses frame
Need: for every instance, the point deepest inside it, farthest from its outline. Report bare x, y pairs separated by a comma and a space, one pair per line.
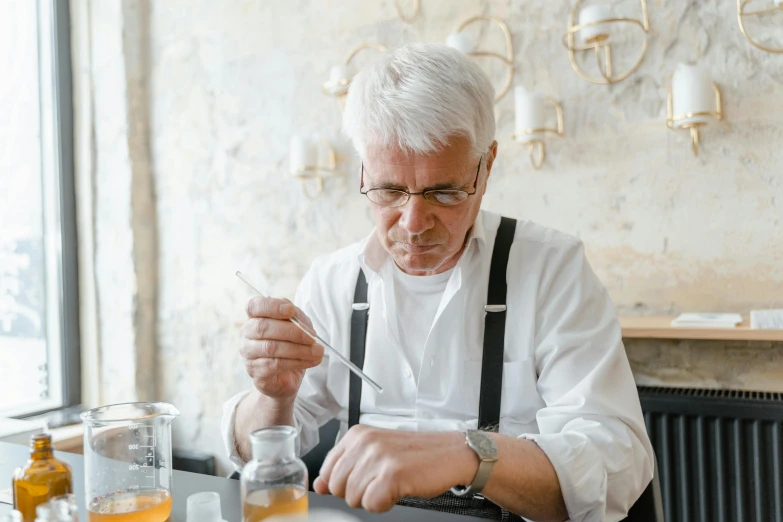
423, 193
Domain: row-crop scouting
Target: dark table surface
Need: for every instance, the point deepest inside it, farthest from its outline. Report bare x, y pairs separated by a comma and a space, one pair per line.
185, 484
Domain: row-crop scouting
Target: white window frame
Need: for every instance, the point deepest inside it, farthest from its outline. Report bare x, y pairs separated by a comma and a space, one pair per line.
59, 237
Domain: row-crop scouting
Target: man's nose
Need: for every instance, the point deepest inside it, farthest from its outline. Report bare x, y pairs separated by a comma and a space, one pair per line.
415, 215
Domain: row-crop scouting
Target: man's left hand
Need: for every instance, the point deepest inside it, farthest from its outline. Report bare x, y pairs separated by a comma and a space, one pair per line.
373, 468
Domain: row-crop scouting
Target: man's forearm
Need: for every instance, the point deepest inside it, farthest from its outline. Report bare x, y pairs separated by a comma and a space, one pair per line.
523, 480
257, 411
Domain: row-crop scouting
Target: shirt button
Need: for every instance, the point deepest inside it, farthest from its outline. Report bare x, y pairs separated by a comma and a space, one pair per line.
408, 373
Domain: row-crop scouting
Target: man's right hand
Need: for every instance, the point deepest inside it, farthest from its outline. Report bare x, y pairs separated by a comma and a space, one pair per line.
276, 351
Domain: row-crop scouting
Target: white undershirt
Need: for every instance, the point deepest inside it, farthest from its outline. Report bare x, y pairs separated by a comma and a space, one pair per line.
417, 299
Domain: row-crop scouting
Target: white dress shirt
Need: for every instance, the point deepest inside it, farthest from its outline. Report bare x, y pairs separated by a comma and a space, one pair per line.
567, 384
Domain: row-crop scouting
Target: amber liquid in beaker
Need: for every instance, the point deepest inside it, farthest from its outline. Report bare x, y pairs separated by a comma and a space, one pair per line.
146, 505
265, 503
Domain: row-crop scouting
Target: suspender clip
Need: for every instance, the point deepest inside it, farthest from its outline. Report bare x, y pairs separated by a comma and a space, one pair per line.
493, 308
360, 306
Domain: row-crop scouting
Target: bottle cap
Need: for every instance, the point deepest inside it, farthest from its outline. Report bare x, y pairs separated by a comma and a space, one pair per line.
204, 507
43, 513
62, 509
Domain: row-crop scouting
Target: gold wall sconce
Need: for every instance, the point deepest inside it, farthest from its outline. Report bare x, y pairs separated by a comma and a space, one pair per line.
531, 122
306, 163
694, 101
593, 33
463, 41
743, 13
408, 19
340, 76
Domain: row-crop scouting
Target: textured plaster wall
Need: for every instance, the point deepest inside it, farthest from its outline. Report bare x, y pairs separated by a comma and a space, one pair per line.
213, 91
123, 223
735, 365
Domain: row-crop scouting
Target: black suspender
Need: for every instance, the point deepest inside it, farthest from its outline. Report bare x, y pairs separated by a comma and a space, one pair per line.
495, 328
358, 341
494, 334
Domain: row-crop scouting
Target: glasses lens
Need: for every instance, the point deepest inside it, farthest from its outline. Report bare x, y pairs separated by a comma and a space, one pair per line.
446, 197
387, 197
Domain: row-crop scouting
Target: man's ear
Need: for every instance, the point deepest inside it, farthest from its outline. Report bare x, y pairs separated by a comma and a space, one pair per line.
491, 155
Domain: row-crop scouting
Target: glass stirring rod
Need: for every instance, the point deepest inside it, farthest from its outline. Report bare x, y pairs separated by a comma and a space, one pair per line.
313, 335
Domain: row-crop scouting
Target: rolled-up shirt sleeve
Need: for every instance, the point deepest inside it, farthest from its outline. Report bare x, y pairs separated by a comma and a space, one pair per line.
314, 405
227, 429
592, 428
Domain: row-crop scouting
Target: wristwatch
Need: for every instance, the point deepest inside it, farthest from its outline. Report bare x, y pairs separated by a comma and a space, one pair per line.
487, 452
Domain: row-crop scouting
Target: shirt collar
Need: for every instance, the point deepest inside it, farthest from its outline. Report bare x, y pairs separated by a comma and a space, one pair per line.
372, 255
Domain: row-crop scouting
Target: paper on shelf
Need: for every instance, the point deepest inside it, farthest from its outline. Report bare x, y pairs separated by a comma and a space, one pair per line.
766, 319
707, 320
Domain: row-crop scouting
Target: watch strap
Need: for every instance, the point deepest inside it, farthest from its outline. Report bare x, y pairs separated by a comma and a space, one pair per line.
480, 479
482, 475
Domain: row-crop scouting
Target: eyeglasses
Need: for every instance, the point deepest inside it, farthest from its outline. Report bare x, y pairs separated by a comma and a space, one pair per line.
387, 197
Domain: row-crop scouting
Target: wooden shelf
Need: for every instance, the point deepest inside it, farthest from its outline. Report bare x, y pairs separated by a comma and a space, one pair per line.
69, 438
659, 327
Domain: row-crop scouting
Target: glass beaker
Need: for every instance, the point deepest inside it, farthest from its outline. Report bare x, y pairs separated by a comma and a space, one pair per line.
127, 462
275, 481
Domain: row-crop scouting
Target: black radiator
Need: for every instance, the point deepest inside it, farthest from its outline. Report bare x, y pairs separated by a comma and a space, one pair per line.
720, 453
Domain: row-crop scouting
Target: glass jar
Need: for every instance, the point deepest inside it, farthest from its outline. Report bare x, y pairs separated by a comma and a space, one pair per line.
274, 482
42, 478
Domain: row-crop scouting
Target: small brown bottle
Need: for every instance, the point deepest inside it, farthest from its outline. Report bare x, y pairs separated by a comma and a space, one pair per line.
42, 478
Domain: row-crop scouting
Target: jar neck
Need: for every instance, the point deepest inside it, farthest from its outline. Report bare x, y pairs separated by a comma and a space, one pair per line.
41, 447
277, 443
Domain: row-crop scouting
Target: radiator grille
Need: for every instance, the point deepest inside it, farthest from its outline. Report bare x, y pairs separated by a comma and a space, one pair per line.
720, 453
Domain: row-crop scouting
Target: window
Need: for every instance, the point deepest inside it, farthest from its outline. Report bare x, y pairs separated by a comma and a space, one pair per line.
39, 350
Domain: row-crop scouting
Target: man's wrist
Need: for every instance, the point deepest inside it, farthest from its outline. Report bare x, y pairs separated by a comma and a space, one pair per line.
272, 405
466, 460
255, 411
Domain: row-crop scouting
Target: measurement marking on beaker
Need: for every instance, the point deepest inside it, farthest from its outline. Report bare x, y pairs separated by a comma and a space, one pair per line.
149, 458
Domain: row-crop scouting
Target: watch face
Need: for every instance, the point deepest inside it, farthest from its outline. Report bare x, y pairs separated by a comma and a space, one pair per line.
482, 443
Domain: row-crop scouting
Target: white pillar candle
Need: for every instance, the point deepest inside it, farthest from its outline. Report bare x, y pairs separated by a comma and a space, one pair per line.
595, 14
531, 108
304, 154
339, 72
461, 41
692, 92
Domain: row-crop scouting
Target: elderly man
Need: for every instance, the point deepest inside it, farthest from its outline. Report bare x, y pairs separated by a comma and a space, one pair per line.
497, 347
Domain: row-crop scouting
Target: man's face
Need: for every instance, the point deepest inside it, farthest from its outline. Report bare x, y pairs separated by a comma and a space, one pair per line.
424, 238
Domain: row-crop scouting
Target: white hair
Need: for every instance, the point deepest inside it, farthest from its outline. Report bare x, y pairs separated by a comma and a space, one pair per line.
418, 97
